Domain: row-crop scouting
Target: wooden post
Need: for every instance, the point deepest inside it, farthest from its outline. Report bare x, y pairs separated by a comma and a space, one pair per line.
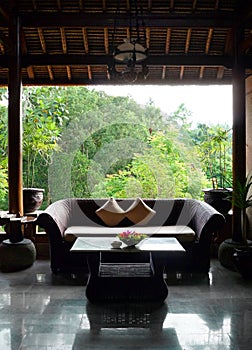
239, 130
15, 121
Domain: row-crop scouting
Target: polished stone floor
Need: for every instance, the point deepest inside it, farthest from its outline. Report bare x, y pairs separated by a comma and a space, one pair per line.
46, 312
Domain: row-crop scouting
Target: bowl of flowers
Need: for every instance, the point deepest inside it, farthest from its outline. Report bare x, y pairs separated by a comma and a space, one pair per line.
131, 238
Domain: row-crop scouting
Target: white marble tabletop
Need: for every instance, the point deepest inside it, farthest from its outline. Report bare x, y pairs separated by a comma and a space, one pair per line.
103, 244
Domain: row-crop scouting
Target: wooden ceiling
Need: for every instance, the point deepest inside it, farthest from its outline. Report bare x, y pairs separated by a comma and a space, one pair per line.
69, 41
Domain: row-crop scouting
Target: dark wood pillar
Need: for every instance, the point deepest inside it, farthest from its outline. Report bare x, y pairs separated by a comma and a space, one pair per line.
15, 170
239, 129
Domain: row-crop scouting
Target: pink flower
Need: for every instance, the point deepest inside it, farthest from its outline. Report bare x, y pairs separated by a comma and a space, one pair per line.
131, 235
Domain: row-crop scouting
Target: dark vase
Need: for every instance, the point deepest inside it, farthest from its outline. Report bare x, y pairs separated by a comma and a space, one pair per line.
32, 199
218, 199
243, 262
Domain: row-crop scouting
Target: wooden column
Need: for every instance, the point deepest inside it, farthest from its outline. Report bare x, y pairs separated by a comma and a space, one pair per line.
15, 121
239, 129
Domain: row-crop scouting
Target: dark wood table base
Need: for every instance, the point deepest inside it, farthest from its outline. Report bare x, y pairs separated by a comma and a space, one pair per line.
113, 282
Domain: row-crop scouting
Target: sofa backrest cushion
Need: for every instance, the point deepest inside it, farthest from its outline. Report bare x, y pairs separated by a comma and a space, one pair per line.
138, 213
111, 213
161, 212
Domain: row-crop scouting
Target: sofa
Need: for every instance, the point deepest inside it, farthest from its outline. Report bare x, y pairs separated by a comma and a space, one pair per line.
61, 218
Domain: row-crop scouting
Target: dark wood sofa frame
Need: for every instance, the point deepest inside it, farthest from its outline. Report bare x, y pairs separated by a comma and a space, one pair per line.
203, 219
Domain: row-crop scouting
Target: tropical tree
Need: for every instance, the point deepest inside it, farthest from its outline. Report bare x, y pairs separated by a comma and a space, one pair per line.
214, 147
44, 113
3, 151
160, 170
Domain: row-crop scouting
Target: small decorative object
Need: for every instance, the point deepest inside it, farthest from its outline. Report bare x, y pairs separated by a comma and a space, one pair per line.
131, 238
116, 244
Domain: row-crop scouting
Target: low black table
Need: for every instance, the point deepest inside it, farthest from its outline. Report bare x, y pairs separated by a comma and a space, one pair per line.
131, 281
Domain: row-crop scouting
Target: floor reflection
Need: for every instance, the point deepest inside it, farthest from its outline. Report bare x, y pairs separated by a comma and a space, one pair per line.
126, 326
39, 311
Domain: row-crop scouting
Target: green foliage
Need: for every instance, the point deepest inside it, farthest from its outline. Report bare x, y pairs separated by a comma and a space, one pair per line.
79, 172
83, 143
241, 196
3, 187
3, 152
44, 113
214, 145
160, 170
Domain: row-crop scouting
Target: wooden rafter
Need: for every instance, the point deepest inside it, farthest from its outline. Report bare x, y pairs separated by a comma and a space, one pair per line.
1, 47
86, 47
163, 72
106, 41
34, 3
59, 4
168, 41
148, 37
4, 43
42, 40
188, 40
171, 5
149, 6
91, 23
69, 74
64, 49
216, 5
220, 73
207, 48
43, 46
194, 5
63, 40
89, 72
128, 33
187, 45
201, 73
106, 45
50, 72
104, 5
181, 74
167, 49
85, 40
30, 70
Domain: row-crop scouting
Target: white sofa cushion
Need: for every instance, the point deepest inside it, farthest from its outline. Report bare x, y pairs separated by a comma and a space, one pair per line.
181, 232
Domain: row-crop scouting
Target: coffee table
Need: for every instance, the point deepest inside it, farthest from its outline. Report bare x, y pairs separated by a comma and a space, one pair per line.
116, 274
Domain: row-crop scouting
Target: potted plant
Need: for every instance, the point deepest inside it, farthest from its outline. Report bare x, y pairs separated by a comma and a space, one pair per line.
242, 199
237, 251
215, 153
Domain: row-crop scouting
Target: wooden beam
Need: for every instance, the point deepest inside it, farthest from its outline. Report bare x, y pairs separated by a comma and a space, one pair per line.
15, 170
82, 80
174, 60
69, 19
239, 130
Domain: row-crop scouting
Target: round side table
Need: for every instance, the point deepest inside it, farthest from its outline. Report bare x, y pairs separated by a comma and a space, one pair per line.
16, 256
